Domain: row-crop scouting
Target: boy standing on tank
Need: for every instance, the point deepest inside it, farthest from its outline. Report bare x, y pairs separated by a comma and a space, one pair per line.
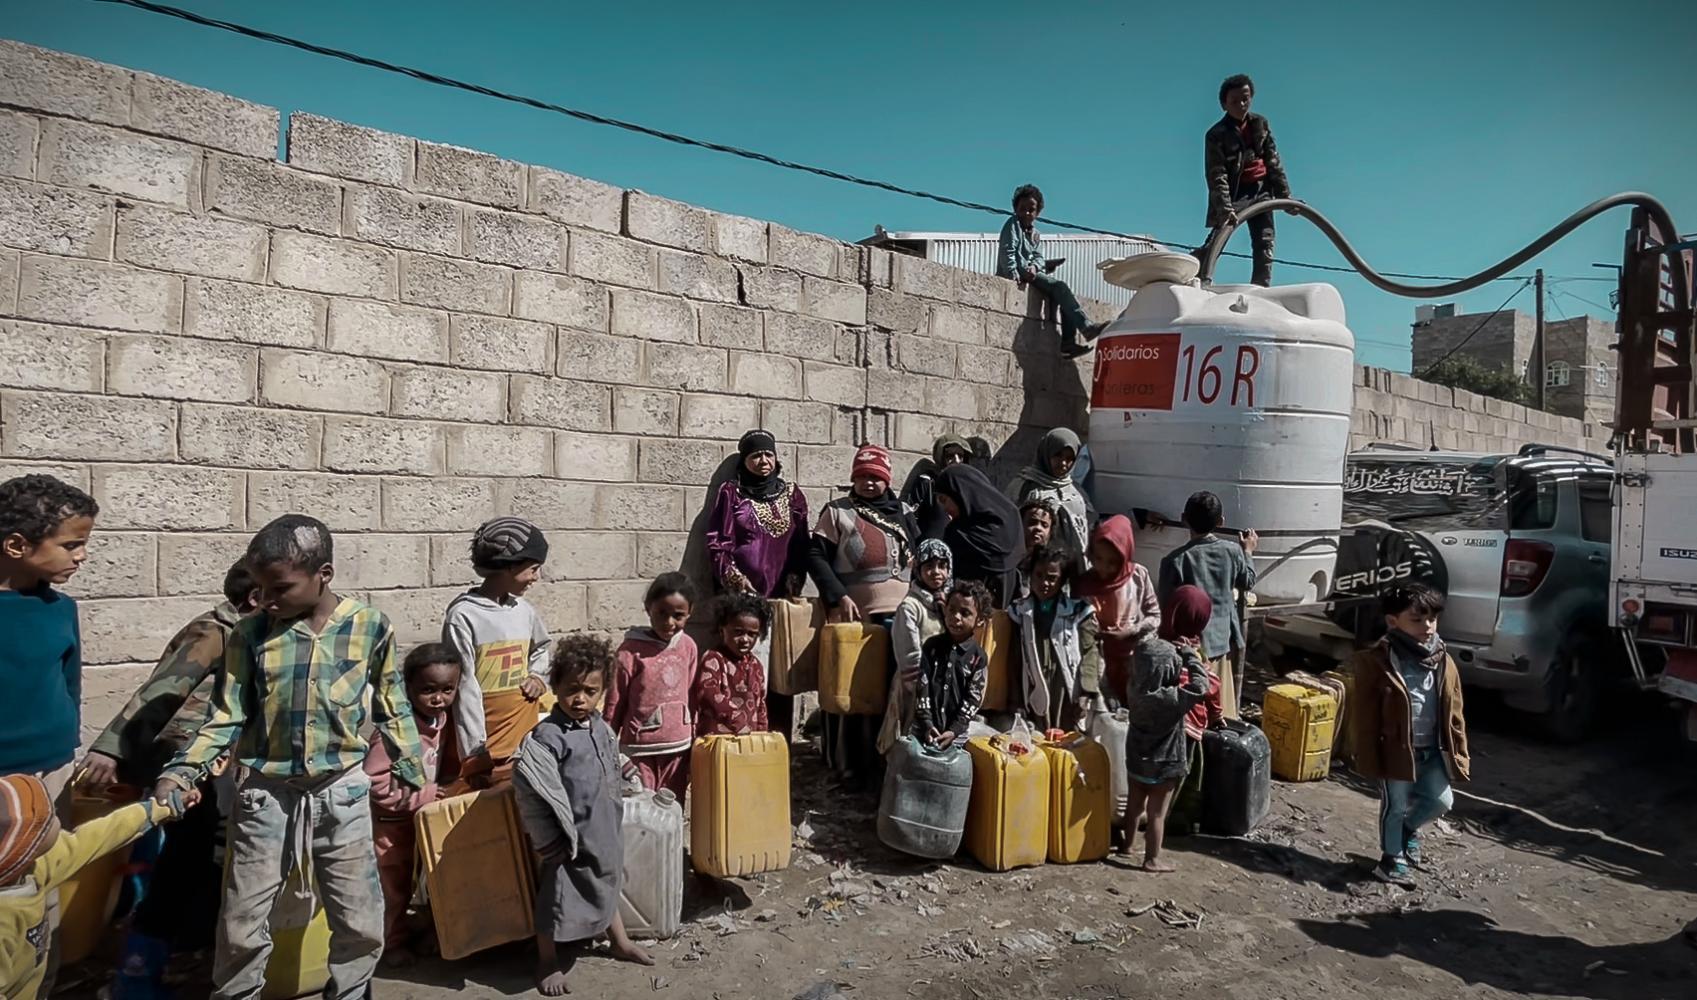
1409, 732
1242, 167
299, 678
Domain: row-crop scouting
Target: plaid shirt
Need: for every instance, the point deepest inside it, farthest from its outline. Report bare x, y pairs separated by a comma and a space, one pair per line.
294, 702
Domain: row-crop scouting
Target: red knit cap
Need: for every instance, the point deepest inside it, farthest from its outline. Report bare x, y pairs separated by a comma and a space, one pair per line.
26, 812
873, 461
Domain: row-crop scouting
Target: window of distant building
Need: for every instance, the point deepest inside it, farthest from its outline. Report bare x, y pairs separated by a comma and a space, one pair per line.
1557, 374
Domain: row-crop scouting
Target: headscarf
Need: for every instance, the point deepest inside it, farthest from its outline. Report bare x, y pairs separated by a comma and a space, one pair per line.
887, 513
1116, 531
1074, 512
26, 814
932, 550
1186, 614
986, 537
755, 487
1052, 444
946, 442
507, 541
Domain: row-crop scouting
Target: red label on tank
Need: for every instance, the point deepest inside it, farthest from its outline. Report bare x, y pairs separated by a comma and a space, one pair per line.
1136, 371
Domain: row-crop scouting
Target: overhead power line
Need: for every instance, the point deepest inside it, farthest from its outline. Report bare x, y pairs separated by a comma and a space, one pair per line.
1473, 332
748, 154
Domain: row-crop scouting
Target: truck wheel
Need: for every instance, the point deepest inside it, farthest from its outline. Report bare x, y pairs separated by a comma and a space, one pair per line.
1573, 691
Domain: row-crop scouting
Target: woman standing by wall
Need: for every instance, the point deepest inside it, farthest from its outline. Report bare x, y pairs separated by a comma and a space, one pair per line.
984, 532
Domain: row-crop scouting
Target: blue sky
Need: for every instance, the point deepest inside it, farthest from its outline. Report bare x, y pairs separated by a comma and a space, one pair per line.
1439, 136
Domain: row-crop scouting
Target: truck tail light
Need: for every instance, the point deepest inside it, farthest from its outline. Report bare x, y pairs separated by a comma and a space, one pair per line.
1525, 564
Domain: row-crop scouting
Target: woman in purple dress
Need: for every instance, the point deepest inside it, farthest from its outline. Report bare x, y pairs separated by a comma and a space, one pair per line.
757, 539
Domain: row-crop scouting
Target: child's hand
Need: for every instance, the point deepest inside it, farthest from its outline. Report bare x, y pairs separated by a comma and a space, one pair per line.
532, 687
945, 739
99, 771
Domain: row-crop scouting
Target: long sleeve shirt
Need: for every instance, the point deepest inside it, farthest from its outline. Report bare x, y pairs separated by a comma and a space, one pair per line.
294, 703
1017, 251
1228, 150
440, 759
499, 643
40, 680
166, 711
648, 706
1222, 570
951, 689
730, 695
766, 541
23, 906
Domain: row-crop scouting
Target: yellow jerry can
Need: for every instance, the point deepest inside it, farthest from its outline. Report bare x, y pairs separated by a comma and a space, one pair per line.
478, 871
794, 666
1300, 723
1081, 801
300, 946
87, 899
995, 634
854, 666
1007, 822
1343, 745
739, 820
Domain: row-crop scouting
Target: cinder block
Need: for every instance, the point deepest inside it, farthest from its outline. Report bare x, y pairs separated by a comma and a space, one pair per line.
447, 394
516, 240
924, 355
415, 614
612, 259
550, 504
718, 417
998, 404
576, 201
839, 384
918, 431
951, 398
804, 252
565, 403
86, 293
226, 310
203, 117
1019, 333
895, 311
644, 411
733, 327
562, 605
369, 444
621, 508
510, 345
801, 336
666, 222
368, 561
555, 298
120, 564
54, 220
877, 268
765, 376
169, 498
8, 282
596, 457
653, 317
196, 563
449, 566
697, 277
981, 291
51, 357
402, 219
680, 366
315, 381
88, 428
801, 423
345, 503
597, 358
455, 284
246, 438
615, 607
658, 552
684, 461
328, 146
438, 504
181, 368
317, 264
76, 475
382, 330
129, 629
500, 451
594, 555
770, 288
741, 238
916, 276
197, 244
824, 465
77, 154
985, 365
44, 80
957, 323
467, 175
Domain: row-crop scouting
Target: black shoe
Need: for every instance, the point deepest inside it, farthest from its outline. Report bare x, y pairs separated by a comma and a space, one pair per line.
1094, 330
1073, 349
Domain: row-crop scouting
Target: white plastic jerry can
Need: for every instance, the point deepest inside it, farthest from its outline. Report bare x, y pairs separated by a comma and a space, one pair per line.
652, 898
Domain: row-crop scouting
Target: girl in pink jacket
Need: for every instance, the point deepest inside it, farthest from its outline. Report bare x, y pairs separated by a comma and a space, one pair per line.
648, 706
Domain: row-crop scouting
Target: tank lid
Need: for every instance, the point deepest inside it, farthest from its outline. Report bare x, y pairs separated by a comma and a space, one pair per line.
1149, 268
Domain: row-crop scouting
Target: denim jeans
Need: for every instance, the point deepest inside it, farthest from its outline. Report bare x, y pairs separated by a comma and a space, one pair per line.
1406, 806
275, 822
1066, 303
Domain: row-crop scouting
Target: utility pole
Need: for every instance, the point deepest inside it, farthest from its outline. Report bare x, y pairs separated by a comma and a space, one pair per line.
1538, 338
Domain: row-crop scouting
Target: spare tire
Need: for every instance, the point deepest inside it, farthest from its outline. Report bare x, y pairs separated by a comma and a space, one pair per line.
1373, 557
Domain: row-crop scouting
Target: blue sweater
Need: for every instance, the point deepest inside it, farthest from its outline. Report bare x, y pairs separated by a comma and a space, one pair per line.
40, 680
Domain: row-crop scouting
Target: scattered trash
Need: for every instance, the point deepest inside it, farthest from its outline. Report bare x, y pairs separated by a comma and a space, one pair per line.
722, 924
1085, 936
765, 916
658, 983
928, 911
823, 991
966, 949
804, 831
1170, 913
1029, 944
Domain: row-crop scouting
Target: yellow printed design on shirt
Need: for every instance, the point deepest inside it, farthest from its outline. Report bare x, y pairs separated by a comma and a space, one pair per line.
503, 665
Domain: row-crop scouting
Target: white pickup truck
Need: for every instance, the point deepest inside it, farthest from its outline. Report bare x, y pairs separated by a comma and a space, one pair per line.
1655, 569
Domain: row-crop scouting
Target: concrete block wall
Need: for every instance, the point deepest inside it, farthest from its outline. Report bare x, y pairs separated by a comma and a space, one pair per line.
1399, 409
405, 338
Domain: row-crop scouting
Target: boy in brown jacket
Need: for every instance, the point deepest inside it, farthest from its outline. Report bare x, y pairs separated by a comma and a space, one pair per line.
1408, 726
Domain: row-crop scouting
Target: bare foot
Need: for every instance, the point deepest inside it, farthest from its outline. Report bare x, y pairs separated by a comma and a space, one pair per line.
399, 958
550, 981
1157, 867
627, 951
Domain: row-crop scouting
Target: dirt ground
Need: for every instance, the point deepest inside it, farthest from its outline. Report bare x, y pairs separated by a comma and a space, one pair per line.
1563, 872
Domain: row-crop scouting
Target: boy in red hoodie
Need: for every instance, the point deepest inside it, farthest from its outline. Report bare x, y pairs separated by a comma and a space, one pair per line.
648, 706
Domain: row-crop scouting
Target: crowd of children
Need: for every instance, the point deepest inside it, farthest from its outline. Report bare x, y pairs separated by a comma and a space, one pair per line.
288, 708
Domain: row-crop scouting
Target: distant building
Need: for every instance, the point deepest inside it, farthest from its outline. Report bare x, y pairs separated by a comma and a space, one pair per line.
1579, 362
977, 252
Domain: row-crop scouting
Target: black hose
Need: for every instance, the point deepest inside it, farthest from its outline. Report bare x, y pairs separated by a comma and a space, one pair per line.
1210, 254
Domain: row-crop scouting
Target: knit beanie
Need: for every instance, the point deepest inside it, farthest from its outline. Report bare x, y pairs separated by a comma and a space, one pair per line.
873, 461
26, 813
507, 541
755, 442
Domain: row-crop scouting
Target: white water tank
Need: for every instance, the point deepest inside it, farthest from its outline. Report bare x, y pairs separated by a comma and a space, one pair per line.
1241, 390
